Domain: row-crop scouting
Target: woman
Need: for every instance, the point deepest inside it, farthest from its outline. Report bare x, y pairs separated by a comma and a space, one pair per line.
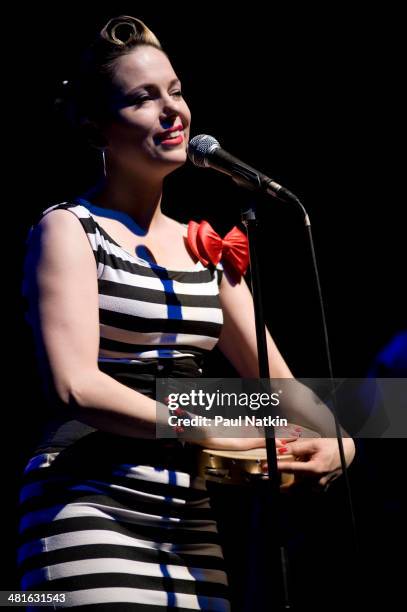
109, 514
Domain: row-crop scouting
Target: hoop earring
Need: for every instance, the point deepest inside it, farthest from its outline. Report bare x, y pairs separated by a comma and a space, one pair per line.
104, 163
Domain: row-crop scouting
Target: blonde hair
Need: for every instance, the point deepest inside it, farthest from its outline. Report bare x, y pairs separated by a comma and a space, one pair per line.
125, 32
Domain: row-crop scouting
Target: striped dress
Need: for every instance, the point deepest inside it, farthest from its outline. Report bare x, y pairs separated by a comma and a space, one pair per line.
119, 523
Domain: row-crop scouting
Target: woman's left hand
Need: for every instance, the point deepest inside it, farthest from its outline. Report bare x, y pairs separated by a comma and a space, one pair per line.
316, 458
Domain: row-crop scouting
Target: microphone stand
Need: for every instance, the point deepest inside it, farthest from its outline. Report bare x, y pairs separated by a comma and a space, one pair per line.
271, 486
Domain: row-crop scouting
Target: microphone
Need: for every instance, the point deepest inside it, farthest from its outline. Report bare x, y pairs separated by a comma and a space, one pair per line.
205, 152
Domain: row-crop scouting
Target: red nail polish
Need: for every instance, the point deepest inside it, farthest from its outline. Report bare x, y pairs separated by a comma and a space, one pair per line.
281, 451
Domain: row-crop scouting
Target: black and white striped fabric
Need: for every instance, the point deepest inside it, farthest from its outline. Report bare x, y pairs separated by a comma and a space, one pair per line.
145, 310
123, 524
126, 537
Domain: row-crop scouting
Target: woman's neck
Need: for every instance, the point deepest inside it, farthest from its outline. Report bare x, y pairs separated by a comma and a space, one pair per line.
137, 197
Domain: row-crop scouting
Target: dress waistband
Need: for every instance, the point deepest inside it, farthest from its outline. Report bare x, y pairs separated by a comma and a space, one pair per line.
144, 374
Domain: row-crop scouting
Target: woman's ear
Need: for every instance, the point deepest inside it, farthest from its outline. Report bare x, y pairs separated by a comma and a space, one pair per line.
93, 134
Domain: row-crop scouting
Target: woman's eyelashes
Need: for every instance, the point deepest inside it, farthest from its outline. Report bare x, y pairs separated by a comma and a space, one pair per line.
139, 100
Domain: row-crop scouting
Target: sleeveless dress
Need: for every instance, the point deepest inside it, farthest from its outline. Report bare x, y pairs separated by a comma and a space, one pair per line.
119, 523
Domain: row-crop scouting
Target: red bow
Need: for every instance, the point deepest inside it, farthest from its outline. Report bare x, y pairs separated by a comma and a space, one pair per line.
209, 247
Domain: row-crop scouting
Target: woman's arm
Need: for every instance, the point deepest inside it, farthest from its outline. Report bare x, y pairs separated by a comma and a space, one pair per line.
238, 344
238, 337
61, 283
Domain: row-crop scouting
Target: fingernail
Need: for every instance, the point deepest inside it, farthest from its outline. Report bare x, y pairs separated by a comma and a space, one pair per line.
298, 429
283, 441
281, 451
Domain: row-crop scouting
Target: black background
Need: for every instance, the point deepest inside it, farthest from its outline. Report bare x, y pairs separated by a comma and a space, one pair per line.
309, 97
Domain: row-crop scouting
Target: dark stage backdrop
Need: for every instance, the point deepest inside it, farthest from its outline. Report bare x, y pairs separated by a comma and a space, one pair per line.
304, 95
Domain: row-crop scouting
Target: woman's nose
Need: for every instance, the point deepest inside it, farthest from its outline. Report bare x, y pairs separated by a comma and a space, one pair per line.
170, 107
168, 118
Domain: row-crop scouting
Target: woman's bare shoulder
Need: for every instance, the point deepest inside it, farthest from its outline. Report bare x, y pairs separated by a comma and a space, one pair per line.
56, 225
52, 218
58, 234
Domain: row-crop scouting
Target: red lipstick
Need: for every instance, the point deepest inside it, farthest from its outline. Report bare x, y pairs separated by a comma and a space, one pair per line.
165, 136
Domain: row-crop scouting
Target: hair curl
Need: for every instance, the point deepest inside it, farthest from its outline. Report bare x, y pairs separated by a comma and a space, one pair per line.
125, 31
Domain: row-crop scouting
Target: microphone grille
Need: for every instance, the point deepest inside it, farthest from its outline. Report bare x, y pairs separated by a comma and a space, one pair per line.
199, 147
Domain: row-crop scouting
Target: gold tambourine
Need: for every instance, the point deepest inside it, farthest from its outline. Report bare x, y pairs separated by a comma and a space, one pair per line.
245, 467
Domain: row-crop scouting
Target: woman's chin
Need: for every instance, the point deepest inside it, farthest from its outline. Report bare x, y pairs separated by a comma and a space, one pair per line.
174, 158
